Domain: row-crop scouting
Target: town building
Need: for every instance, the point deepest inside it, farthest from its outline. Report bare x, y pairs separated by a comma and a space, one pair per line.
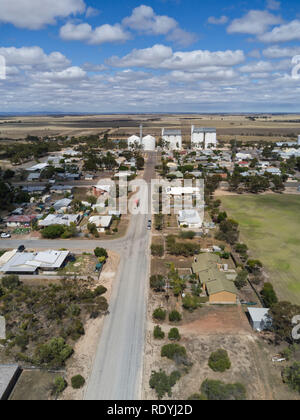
60, 219
172, 139
259, 318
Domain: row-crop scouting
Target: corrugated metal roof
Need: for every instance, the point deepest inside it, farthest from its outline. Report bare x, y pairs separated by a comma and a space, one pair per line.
221, 285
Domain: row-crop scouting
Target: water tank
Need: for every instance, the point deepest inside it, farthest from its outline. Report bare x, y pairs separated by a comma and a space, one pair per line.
134, 141
149, 143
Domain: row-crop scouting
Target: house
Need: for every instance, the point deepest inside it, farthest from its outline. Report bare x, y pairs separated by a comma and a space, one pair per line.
62, 204
30, 263
99, 190
38, 190
60, 219
88, 177
9, 375
38, 168
102, 222
19, 221
34, 176
61, 189
190, 219
175, 174
175, 191
222, 292
259, 318
220, 289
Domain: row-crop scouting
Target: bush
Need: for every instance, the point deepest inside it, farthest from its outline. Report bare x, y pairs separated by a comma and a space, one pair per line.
174, 335
54, 353
53, 232
162, 383
101, 252
157, 250
197, 397
158, 333
173, 351
291, 376
218, 391
241, 280
59, 386
190, 302
157, 283
159, 314
219, 361
100, 290
175, 316
269, 296
10, 282
187, 235
77, 382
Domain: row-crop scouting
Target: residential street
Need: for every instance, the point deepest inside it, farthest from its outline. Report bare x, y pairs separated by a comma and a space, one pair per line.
117, 370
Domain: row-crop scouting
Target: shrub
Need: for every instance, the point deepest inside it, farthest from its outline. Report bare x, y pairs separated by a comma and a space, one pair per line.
157, 283
187, 235
173, 351
162, 383
159, 314
190, 302
291, 376
269, 296
197, 397
174, 335
100, 290
175, 316
158, 333
59, 386
53, 232
157, 250
241, 280
219, 361
218, 391
54, 353
77, 382
10, 282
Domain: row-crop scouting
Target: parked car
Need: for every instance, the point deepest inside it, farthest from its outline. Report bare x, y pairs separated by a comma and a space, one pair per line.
149, 225
21, 248
5, 235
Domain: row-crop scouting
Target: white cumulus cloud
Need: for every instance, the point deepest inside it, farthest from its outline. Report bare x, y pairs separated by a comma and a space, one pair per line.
99, 35
256, 22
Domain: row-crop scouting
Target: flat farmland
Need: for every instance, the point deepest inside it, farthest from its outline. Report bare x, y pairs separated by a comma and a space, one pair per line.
270, 226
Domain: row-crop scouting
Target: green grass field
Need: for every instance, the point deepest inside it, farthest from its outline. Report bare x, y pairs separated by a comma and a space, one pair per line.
270, 226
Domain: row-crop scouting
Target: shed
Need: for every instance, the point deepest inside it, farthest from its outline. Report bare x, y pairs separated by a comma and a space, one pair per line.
9, 375
259, 318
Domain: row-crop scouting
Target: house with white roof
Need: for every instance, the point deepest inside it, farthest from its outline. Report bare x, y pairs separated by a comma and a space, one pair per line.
190, 219
60, 219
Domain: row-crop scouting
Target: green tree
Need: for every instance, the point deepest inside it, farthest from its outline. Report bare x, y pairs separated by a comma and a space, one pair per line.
158, 333
101, 252
159, 314
59, 385
269, 296
291, 376
175, 316
77, 382
174, 335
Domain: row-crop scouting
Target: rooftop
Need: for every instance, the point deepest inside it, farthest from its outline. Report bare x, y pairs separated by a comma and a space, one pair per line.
7, 373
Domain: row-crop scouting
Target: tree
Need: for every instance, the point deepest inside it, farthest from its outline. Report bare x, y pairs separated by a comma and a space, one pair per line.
77, 382
291, 376
228, 231
254, 266
241, 280
269, 296
53, 231
101, 252
174, 335
190, 302
282, 314
219, 361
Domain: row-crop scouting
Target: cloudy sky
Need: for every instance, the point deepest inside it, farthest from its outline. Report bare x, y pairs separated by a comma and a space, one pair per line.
152, 56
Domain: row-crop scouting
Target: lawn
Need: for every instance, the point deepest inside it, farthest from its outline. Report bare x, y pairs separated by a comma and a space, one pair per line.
270, 226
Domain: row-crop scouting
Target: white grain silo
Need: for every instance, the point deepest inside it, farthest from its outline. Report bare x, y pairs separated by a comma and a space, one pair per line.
203, 138
172, 138
149, 143
298, 140
134, 142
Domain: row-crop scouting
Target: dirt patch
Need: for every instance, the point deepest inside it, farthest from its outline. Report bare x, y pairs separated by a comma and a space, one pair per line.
34, 385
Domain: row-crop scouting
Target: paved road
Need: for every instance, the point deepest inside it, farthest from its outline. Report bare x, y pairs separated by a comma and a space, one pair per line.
117, 370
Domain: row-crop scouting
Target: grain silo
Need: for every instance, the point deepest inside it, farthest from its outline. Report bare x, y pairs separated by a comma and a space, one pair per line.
134, 142
149, 143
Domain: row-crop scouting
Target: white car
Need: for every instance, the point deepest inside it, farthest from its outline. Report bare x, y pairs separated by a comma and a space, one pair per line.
5, 235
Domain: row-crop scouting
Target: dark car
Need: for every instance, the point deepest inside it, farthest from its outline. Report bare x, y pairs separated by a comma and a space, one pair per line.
21, 248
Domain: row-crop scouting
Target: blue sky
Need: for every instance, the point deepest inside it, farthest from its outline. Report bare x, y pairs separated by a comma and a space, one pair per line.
152, 56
